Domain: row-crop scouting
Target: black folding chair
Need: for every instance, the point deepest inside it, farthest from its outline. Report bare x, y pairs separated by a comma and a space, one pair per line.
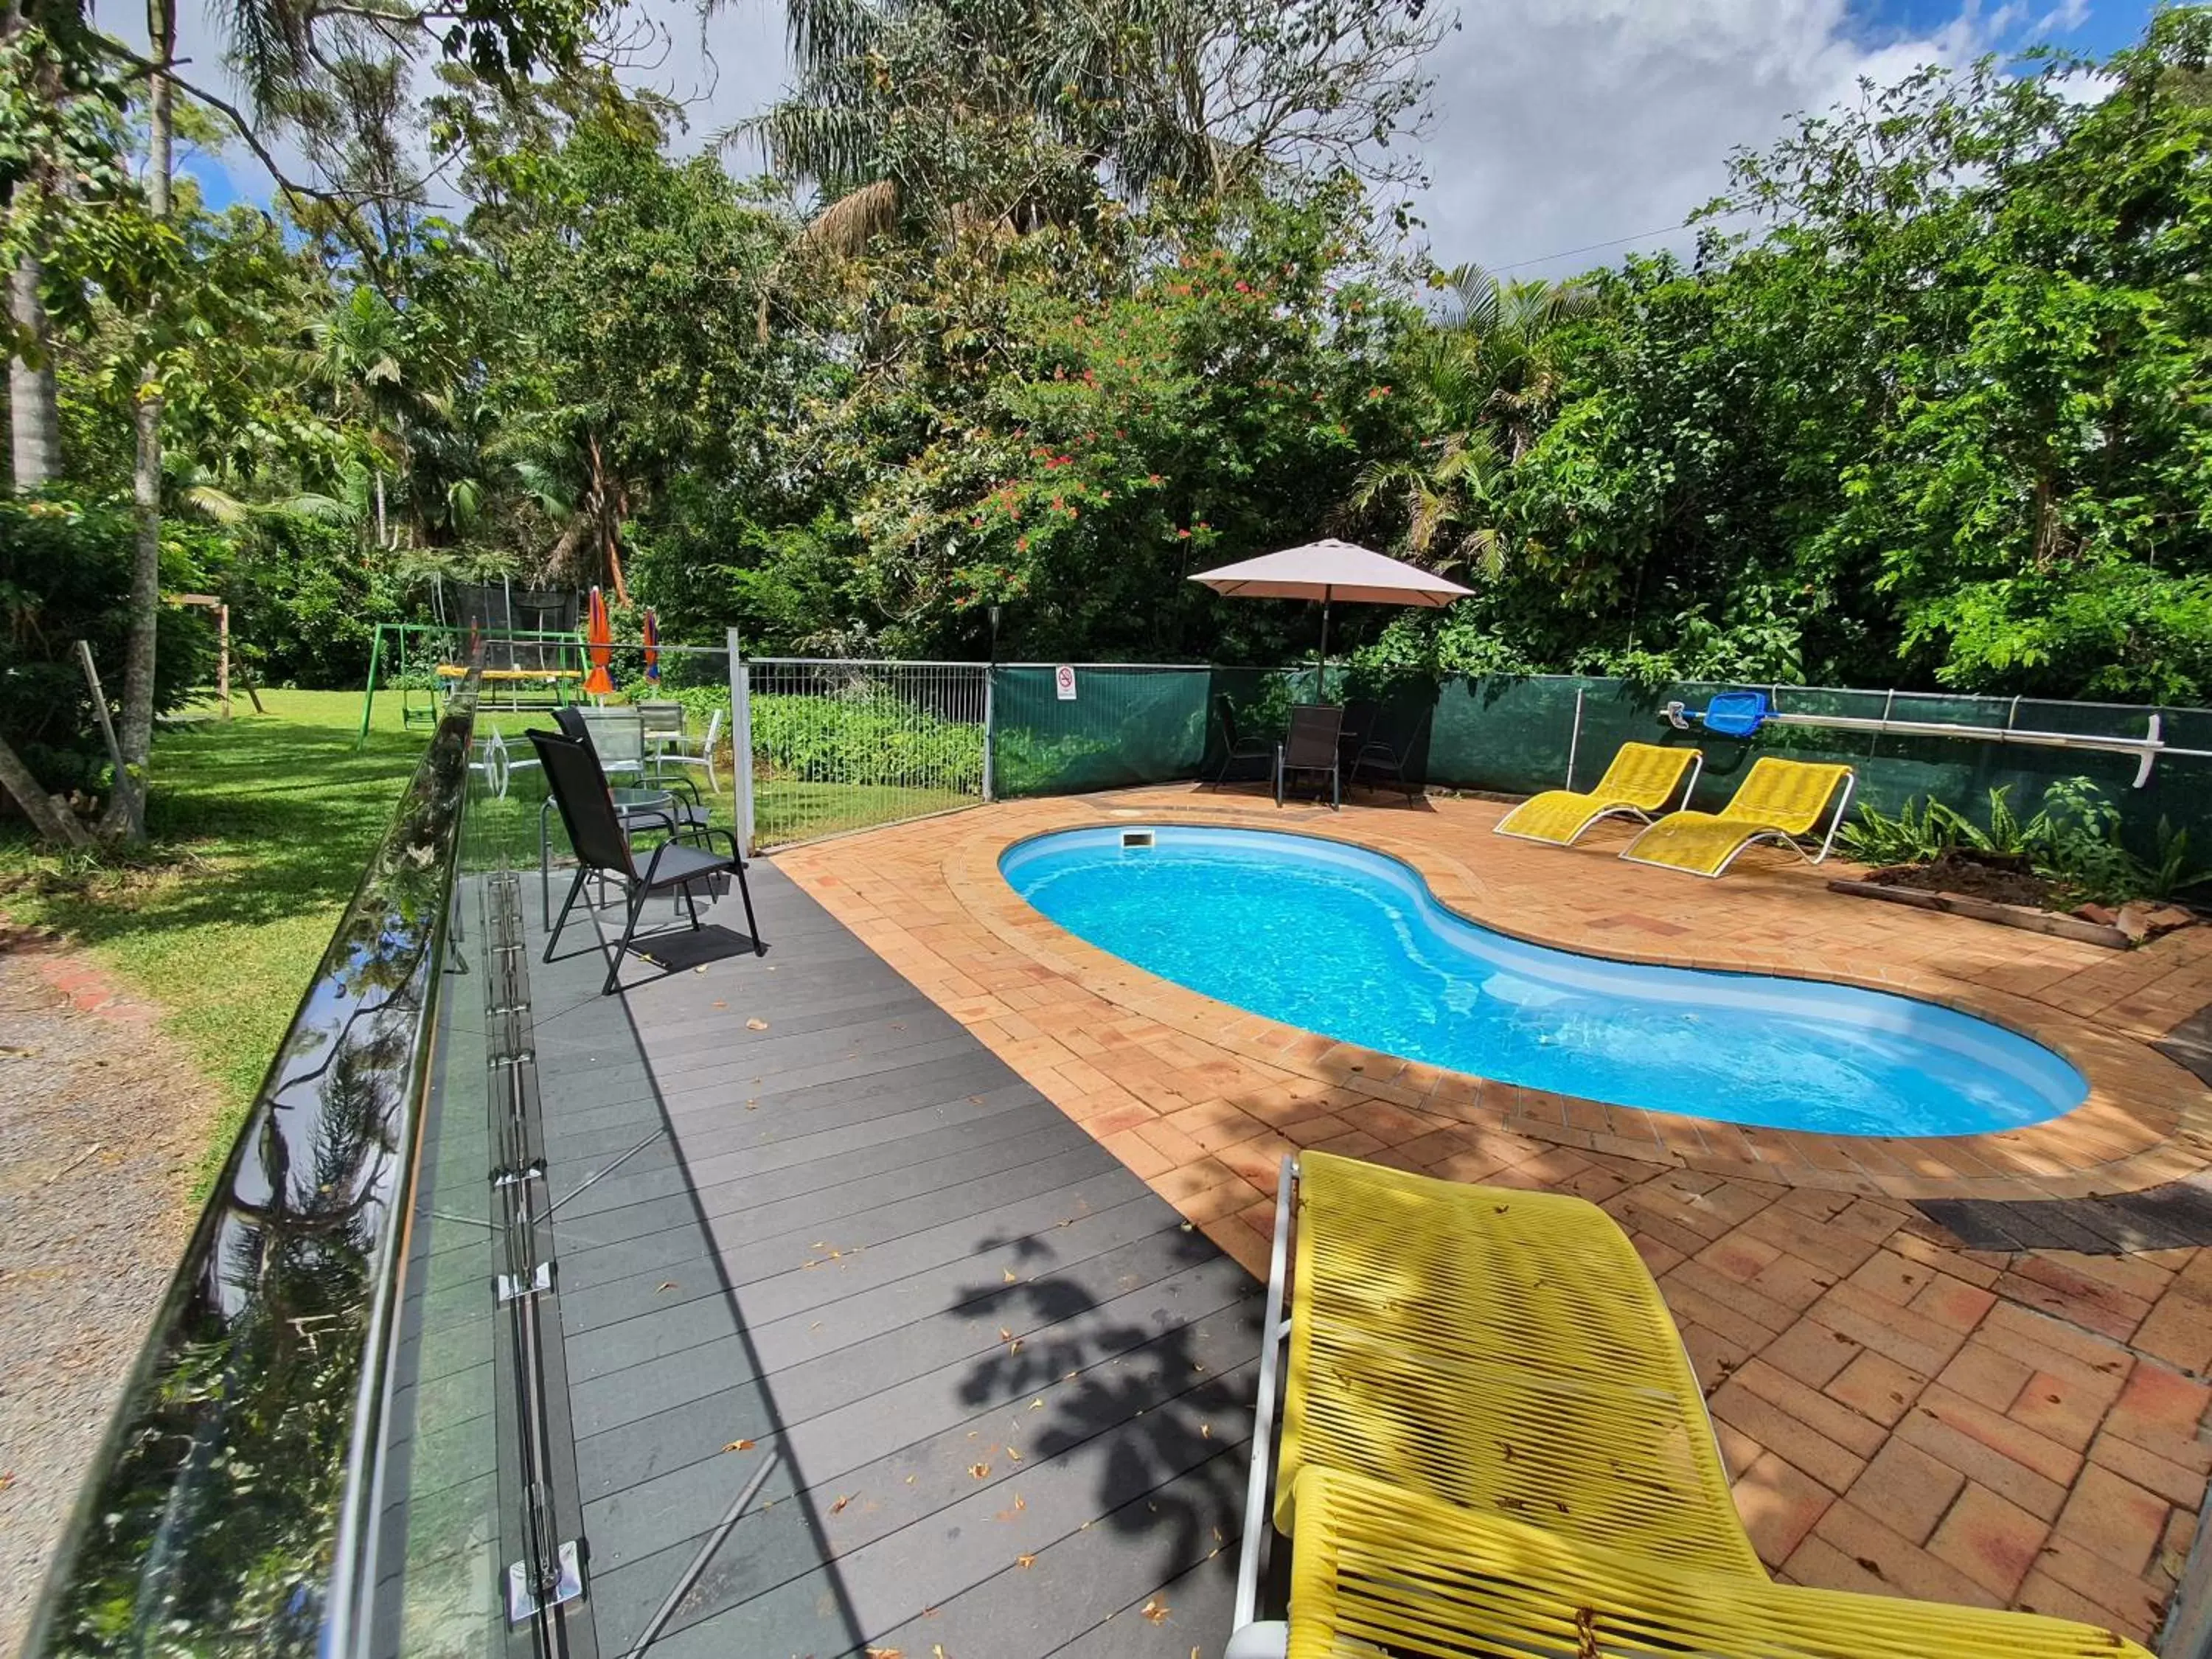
1235, 747
1372, 757
1312, 746
602, 848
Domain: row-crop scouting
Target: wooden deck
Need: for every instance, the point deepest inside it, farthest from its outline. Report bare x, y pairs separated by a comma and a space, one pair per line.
801, 1209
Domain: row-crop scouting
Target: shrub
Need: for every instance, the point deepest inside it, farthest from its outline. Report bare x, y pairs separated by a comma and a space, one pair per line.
65, 576
871, 738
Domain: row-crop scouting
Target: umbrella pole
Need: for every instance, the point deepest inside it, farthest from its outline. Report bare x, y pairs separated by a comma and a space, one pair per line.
1320, 662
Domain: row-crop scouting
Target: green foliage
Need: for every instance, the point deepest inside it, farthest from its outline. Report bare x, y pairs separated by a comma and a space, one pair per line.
1919, 834
2170, 871
2074, 840
64, 573
869, 738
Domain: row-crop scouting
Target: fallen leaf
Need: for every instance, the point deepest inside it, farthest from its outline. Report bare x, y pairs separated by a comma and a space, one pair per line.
838, 1508
664, 1285
1205, 1431
1013, 1454
1019, 1504
719, 1003
1025, 1560
886, 1653
700, 969
739, 1445
1156, 1610
1009, 1273
937, 1650
1037, 1403
981, 1471
756, 1025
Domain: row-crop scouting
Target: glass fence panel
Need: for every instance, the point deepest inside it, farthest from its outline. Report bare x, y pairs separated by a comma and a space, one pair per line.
234, 1502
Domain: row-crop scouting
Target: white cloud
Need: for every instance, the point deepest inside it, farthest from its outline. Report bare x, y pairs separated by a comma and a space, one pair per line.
1561, 123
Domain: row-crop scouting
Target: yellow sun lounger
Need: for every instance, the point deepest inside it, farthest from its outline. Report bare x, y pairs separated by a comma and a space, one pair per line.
1491, 1431
1778, 800
1501, 1350
1641, 781
1381, 1570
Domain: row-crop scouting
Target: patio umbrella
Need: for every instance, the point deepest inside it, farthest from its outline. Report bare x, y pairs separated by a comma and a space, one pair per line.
652, 649
600, 636
1328, 571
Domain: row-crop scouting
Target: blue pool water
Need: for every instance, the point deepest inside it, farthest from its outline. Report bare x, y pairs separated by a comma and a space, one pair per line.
1348, 943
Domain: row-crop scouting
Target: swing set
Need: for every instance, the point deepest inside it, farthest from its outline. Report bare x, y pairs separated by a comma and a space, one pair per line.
527, 672
534, 651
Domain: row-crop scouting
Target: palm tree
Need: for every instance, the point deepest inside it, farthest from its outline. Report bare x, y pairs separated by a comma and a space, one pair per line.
361, 355
1506, 340
1487, 379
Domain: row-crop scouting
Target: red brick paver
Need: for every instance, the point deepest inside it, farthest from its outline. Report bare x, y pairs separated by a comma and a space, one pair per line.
1902, 1415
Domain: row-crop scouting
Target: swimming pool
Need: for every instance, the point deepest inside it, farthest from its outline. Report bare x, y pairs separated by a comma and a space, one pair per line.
1351, 944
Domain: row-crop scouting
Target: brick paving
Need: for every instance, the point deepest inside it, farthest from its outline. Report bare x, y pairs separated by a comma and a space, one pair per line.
1900, 1414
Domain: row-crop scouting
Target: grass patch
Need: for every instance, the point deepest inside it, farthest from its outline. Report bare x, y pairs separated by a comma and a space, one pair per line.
261, 827
791, 809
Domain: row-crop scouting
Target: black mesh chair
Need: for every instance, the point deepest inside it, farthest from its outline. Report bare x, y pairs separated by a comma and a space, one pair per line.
1234, 746
596, 833
1370, 756
1312, 746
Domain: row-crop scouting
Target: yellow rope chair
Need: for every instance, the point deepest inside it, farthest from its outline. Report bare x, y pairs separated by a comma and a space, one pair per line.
1493, 1443
1641, 781
1502, 1351
1378, 1570
1778, 800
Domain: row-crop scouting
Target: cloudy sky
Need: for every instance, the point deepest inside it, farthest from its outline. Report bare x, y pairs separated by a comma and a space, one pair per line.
1564, 132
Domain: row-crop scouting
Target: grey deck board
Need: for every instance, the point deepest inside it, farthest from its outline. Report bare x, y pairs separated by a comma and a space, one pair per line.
857, 1239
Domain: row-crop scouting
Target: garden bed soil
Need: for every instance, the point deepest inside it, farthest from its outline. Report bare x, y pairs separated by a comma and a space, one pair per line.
1999, 881
2002, 889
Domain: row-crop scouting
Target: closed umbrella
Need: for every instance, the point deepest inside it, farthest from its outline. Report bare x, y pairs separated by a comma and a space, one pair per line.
1328, 571
652, 649
598, 636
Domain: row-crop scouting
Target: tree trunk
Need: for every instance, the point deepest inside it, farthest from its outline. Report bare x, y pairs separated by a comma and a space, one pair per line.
126, 813
48, 815
33, 405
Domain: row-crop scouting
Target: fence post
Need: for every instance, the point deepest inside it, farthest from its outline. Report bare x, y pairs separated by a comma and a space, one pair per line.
990, 732
741, 739
1574, 737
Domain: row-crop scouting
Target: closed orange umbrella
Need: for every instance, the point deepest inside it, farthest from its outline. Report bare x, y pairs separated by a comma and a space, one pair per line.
599, 636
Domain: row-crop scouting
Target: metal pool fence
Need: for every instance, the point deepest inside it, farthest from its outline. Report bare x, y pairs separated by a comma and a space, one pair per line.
840, 743
848, 745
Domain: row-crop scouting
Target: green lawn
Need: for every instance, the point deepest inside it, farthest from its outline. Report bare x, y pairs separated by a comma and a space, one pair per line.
262, 825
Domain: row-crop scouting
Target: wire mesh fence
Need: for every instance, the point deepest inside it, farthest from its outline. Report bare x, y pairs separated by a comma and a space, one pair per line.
844, 744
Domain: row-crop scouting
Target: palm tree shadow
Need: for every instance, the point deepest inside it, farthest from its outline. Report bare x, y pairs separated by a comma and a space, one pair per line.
1150, 1400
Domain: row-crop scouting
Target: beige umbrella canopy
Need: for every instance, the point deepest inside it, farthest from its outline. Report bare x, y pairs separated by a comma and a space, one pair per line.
1328, 571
